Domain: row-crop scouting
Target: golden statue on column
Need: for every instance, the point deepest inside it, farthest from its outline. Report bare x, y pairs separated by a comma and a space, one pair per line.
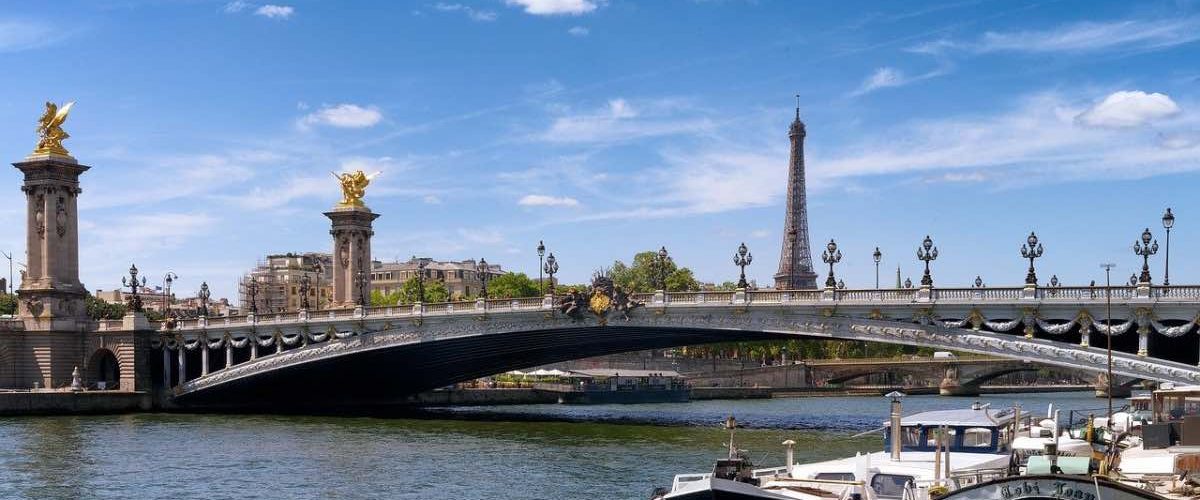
354, 187
50, 132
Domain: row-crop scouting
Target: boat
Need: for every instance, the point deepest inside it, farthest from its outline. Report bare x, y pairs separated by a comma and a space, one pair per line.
924, 455
1163, 454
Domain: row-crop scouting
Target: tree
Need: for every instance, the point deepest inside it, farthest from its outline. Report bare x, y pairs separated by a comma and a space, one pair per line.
100, 309
8, 303
409, 293
643, 275
511, 286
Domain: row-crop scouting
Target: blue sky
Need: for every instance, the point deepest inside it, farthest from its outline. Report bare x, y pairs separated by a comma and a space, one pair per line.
609, 127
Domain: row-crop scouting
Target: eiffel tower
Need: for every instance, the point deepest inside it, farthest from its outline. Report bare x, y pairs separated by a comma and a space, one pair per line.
795, 261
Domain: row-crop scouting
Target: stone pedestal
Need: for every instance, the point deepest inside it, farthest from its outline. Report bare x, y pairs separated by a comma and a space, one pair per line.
135, 321
1029, 292
924, 294
352, 234
51, 296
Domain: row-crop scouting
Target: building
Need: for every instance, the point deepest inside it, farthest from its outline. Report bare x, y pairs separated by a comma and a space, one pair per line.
278, 282
154, 299
460, 277
795, 261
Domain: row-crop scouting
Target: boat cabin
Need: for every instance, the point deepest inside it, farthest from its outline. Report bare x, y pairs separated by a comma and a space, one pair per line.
978, 429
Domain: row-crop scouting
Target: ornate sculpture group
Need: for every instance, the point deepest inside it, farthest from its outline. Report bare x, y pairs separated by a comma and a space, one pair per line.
604, 297
354, 187
49, 129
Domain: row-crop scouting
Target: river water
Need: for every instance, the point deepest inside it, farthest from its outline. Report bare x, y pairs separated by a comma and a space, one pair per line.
518, 452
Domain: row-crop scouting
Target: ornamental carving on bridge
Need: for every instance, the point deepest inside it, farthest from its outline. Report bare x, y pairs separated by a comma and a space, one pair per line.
602, 298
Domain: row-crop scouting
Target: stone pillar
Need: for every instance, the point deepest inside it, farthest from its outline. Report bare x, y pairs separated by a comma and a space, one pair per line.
166, 366
51, 296
352, 234
182, 361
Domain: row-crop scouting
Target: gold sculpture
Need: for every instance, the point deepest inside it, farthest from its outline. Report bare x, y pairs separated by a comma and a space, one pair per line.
354, 187
50, 130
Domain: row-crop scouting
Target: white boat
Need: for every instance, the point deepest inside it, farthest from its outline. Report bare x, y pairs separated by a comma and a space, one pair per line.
1168, 448
935, 450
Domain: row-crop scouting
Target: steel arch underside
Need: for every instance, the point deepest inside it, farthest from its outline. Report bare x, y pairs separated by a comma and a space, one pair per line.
387, 365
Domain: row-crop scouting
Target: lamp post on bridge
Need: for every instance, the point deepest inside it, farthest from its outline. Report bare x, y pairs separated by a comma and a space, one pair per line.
421, 281
305, 287
204, 296
541, 250
1145, 249
252, 290
551, 267
1168, 220
831, 255
135, 299
927, 252
168, 278
319, 270
1031, 249
361, 279
878, 256
742, 258
482, 269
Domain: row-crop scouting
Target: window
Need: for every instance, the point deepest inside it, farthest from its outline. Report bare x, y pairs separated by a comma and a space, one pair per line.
931, 437
890, 485
977, 437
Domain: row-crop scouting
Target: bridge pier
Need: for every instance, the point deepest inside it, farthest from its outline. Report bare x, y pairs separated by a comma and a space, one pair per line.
1118, 390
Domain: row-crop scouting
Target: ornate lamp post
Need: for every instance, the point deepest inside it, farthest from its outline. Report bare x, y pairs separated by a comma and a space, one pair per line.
878, 256
252, 290
1145, 250
362, 288
319, 270
1031, 250
979, 282
1168, 220
742, 258
662, 268
135, 299
168, 278
1054, 281
927, 252
541, 250
551, 267
831, 256
482, 269
421, 281
841, 285
1133, 279
204, 296
305, 287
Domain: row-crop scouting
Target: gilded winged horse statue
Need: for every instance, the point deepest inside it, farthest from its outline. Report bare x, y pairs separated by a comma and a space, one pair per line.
50, 132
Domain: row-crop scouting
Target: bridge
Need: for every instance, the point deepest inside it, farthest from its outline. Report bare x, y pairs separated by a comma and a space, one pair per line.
377, 354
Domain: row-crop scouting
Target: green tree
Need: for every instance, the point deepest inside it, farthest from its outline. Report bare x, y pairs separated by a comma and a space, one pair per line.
8, 303
100, 309
727, 286
643, 275
409, 293
511, 286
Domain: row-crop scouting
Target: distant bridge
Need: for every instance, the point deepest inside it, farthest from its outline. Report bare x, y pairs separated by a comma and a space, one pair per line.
372, 355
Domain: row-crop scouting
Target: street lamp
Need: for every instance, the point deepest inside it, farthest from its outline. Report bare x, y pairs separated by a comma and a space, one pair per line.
8, 255
978, 281
662, 268
1168, 220
1054, 281
168, 278
1108, 333
252, 289
742, 259
362, 287
1145, 250
203, 296
831, 256
877, 256
421, 281
305, 287
551, 267
319, 270
927, 252
1133, 279
482, 269
135, 299
541, 250
1031, 250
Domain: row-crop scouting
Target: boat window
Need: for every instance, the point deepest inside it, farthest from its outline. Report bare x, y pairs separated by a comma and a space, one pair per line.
835, 476
931, 436
910, 436
890, 485
1176, 407
977, 437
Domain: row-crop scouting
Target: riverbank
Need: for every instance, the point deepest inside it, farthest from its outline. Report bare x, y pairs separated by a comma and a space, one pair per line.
49, 402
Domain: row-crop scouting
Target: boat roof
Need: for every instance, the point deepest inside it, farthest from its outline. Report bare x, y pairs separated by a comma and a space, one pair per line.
918, 464
969, 417
626, 373
1181, 389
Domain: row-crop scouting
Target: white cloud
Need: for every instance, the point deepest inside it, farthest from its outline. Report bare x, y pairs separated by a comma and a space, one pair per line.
619, 120
541, 200
275, 11
1037, 140
1180, 140
343, 116
483, 236
236, 6
1128, 108
759, 233
472, 13
883, 77
556, 7
1125, 36
579, 31
430, 199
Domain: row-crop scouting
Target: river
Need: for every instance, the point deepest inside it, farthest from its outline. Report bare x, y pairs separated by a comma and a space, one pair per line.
518, 452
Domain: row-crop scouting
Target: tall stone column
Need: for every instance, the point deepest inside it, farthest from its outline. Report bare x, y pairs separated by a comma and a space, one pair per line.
51, 296
352, 234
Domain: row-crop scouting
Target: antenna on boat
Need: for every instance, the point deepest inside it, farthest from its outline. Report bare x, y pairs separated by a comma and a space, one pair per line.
1108, 333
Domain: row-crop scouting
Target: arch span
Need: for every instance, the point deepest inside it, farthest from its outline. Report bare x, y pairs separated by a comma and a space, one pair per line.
103, 370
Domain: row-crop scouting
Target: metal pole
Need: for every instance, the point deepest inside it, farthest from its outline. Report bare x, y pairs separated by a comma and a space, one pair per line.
1167, 268
1108, 333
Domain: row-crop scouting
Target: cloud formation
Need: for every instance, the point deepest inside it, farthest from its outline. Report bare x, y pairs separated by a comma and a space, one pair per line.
620, 121
556, 7
578, 31
343, 116
541, 200
471, 12
275, 11
1124, 36
16, 36
1128, 108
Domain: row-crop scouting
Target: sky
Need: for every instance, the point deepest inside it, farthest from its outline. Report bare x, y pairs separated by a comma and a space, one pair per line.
609, 127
